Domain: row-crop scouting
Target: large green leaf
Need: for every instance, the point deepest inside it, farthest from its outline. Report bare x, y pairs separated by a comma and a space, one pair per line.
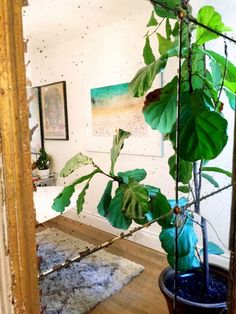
144, 78
184, 188
209, 17
230, 74
218, 170
152, 190
216, 74
148, 55
231, 86
74, 163
210, 179
105, 200
213, 248
135, 202
197, 71
161, 114
185, 263
164, 44
185, 169
136, 174
203, 133
161, 207
115, 216
63, 199
168, 29
152, 21
81, 199
167, 8
118, 142
231, 98
187, 239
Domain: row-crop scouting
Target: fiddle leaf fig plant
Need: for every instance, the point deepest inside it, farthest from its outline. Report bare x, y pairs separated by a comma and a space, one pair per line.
202, 79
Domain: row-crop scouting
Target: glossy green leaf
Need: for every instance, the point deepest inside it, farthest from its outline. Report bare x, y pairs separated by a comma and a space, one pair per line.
63, 199
213, 248
115, 216
210, 179
86, 177
161, 114
184, 188
152, 21
167, 8
216, 74
175, 30
136, 174
230, 74
197, 71
209, 17
135, 201
74, 163
185, 169
152, 190
161, 207
164, 12
144, 78
81, 199
142, 221
219, 170
203, 133
187, 239
231, 86
185, 263
118, 142
148, 55
231, 98
168, 29
164, 44
105, 200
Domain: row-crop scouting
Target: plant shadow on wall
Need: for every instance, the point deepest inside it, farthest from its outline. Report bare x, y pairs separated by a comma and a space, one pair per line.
189, 112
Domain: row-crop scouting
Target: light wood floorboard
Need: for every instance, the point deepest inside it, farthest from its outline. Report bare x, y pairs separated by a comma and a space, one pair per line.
142, 294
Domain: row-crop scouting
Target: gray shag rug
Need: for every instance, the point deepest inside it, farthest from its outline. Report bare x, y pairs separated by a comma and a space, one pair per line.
79, 288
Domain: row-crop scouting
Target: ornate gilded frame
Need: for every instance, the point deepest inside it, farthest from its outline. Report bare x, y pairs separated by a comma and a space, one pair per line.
18, 267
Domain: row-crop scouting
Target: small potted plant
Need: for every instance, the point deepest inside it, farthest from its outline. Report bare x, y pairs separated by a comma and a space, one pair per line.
43, 164
189, 112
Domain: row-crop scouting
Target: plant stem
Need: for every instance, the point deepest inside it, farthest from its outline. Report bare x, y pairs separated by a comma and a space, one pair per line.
197, 187
231, 302
205, 254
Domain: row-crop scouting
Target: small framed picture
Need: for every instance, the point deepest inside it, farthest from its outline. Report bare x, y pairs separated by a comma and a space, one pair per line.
54, 111
35, 121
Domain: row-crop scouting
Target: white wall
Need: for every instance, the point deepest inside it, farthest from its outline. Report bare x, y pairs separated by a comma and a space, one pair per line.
106, 54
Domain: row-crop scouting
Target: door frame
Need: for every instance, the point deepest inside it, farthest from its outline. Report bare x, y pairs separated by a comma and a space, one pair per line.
18, 267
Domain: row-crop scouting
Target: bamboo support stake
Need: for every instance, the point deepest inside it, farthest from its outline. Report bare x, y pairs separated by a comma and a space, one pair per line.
232, 239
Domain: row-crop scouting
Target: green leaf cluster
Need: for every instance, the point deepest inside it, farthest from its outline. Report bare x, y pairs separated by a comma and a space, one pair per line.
201, 134
187, 241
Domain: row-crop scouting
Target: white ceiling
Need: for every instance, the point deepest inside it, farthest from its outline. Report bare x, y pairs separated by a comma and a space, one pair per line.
51, 22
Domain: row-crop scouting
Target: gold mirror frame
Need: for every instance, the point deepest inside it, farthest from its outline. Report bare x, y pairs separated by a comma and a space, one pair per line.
16, 211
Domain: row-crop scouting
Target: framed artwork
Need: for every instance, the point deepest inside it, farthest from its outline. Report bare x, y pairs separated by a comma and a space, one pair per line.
54, 111
111, 106
35, 121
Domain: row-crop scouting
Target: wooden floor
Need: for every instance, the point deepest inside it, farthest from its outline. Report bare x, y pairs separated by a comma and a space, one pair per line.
142, 294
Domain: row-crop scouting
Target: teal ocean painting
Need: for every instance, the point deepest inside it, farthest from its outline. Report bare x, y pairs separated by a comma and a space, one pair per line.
113, 107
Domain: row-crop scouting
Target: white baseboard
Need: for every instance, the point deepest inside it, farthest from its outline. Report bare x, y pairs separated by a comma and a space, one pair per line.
146, 237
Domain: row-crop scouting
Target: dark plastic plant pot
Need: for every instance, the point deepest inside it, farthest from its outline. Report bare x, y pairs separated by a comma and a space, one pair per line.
188, 307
